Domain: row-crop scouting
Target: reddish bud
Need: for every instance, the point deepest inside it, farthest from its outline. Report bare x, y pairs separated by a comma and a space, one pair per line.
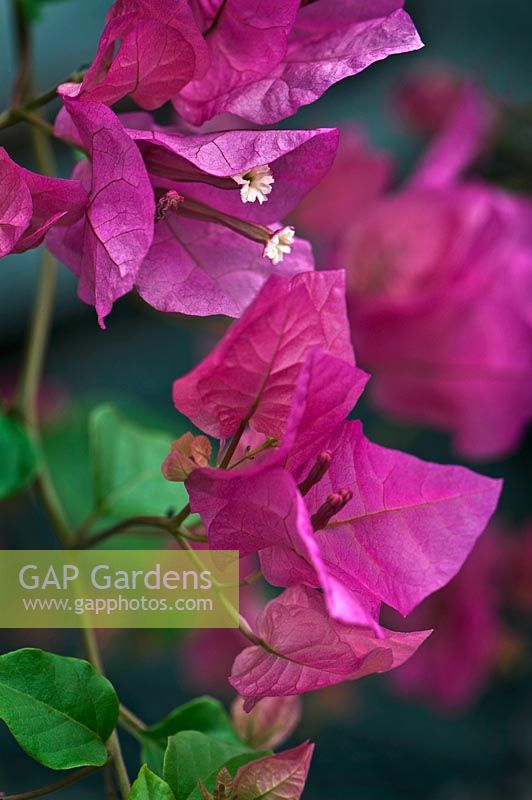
334, 503
187, 454
317, 472
271, 721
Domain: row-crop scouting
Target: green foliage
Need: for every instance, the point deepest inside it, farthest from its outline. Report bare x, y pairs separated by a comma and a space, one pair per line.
18, 457
126, 461
60, 710
149, 786
66, 451
191, 755
204, 714
152, 755
110, 468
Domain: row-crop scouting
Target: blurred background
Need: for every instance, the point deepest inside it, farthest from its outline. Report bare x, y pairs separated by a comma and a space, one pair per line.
467, 735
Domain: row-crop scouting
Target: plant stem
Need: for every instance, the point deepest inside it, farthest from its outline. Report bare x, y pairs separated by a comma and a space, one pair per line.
240, 621
12, 115
131, 723
23, 33
62, 783
178, 520
251, 578
122, 778
109, 784
126, 713
125, 525
36, 120
113, 745
26, 397
37, 340
229, 453
128, 525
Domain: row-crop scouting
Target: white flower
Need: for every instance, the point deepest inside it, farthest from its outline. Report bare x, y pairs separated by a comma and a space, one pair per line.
256, 184
280, 244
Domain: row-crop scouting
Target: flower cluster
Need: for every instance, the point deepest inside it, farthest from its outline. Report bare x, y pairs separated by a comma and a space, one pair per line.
439, 274
261, 61
166, 212
153, 208
343, 524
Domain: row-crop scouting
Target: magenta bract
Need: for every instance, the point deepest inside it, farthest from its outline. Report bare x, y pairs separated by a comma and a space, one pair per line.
252, 374
307, 650
107, 246
205, 252
448, 341
185, 270
31, 203
267, 60
399, 529
160, 49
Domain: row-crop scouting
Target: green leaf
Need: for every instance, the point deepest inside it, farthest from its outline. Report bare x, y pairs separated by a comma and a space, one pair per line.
126, 462
66, 451
149, 786
152, 754
18, 457
204, 714
59, 709
233, 765
68, 456
191, 755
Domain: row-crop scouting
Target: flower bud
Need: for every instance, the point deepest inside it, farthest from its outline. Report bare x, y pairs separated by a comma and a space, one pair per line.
187, 454
269, 724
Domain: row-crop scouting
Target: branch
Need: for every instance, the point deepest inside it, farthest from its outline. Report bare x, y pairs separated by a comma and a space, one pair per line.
62, 783
131, 723
10, 116
113, 745
128, 525
229, 453
23, 33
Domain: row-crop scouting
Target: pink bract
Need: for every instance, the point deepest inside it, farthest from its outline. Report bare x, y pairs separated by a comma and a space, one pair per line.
253, 371
160, 49
447, 338
31, 203
260, 61
203, 259
272, 720
286, 370
184, 270
268, 60
308, 651
281, 776
454, 666
106, 248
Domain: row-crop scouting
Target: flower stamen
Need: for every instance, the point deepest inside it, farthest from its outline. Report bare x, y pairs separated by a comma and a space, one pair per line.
279, 244
256, 184
171, 201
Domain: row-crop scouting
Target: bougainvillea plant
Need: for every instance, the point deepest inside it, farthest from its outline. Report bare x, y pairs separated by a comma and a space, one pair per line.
194, 221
